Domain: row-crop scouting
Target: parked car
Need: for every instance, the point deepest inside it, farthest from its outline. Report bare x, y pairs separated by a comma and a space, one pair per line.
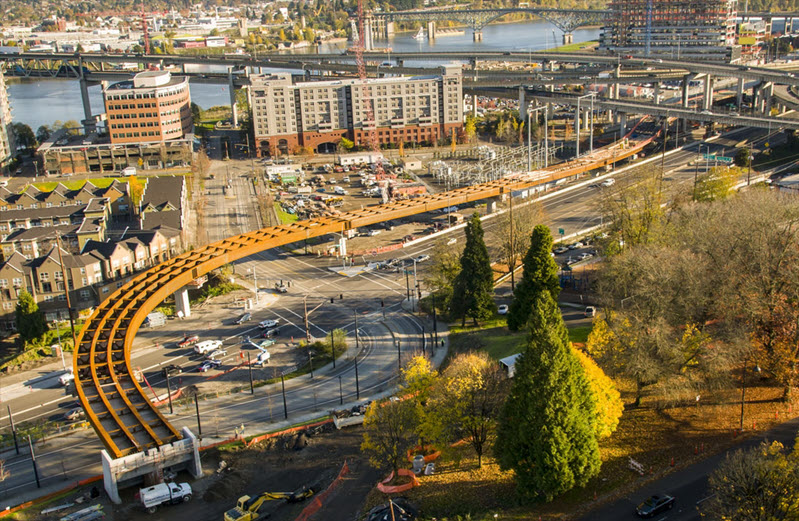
281, 288
585, 255
590, 311
575, 245
267, 324
561, 249
75, 414
246, 317
189, 340
422, 258
171, 369
503, 309
209, 364
654, 505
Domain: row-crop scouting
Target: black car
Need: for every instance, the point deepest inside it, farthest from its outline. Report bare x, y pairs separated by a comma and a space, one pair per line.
171, 369
271, 333
654, 505
246, 317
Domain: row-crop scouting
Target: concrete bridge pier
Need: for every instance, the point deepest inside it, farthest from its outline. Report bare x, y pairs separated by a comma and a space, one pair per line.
88, 120
739, 95
474, 105
622, 123
522, 104
182, 302
389, 29
707, 102
686, 82
431, 30
657, 93
768, 91
232, 91
568, 38
477, 35
491, 205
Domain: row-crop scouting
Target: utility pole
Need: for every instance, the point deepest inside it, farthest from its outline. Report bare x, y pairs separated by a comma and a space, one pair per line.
33, 462
66, 293
249, 366
197, 411
169, 392
285, 407
333, 348
13, 429
357, 350
435, 322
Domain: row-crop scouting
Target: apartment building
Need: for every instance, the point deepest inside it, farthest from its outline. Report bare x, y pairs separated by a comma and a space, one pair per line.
682, 29
96, 264
7, 147
316, 115
152, 107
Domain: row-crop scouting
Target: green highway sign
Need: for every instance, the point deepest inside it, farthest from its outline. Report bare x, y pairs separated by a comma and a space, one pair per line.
561, 231
720, 159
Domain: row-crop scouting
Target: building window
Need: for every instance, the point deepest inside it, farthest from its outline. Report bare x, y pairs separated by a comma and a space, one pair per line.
85, 294
8, 306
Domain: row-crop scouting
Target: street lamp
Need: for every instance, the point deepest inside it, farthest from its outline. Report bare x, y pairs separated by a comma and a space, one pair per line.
255, 282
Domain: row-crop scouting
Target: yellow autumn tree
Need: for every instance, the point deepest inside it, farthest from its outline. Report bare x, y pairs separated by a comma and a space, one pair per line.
609, 406
135, 189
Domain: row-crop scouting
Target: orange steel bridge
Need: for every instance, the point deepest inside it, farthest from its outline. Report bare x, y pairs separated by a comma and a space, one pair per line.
117, 406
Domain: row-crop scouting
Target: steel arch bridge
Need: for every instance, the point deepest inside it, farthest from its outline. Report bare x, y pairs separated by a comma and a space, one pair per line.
117, 406
567, 20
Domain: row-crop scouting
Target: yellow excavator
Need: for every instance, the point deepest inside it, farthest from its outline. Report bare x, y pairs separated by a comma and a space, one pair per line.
247, 507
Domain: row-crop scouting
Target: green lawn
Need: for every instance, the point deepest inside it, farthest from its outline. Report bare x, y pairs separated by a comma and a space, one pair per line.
100, 182
495, 339
283, 215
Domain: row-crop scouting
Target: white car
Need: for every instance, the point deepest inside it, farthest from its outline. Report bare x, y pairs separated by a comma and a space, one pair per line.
65, 378
267, 324
216, 354
503, 309
608, 182
422, 258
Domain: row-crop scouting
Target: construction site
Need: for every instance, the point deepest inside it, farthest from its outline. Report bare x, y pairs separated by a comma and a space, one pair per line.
688, 30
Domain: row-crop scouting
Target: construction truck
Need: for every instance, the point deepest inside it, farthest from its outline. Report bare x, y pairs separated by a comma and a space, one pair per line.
247, 507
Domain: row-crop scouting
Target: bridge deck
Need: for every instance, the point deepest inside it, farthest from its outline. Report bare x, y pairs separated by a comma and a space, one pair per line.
117, 406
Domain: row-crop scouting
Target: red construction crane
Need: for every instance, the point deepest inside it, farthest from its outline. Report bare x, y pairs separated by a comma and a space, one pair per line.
369, 123
144, 30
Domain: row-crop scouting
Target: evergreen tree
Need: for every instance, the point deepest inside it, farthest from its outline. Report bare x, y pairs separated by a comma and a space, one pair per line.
30, 321
473, 287
547, 432
540, 274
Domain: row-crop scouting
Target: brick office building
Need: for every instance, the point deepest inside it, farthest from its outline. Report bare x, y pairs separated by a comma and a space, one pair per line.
287, 116
152, 107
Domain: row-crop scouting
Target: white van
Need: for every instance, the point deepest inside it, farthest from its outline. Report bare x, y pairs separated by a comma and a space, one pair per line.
207, 346
128, 171
339, 191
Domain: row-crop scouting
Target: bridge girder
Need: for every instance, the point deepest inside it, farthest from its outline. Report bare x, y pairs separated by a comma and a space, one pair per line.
564, 19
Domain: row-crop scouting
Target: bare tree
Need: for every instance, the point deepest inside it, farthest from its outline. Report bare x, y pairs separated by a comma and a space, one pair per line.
515, 227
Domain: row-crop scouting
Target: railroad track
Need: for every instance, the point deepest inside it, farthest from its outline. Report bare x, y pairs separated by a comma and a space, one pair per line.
117, 406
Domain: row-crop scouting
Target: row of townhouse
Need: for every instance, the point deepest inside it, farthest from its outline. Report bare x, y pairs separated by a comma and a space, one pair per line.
94, 265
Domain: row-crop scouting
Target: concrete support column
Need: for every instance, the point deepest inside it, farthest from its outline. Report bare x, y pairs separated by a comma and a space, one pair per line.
707, 102
88, 121
182, 302
474, 105
622, 124
477, 35
739, 96
232, 91
686, 81
568, 38
431, 30
491, 205
522, 104
768, 92
389, 29
368, 37
657, 93
342, 246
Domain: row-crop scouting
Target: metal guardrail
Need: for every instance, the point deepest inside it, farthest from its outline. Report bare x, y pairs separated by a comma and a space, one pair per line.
117, 406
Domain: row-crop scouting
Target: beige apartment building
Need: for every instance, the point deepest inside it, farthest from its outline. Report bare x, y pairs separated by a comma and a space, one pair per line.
317, 115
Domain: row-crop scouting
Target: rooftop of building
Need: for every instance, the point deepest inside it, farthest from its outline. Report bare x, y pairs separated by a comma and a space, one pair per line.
148, 80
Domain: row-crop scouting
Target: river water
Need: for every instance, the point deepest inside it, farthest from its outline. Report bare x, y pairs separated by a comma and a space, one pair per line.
37, 102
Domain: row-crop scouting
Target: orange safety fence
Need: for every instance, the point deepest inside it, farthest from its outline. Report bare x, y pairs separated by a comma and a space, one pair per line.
317, 502
427, 457
175, 396
392, 489
263, 437
51, 495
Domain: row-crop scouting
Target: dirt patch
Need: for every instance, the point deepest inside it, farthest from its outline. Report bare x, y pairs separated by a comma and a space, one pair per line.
273, 466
